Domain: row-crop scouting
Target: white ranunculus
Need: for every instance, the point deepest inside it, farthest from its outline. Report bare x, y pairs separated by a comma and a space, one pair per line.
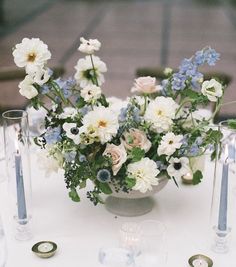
89, 46
102, 123
72, 131
160, 113
212, 89
68, 112
136, 138
145, 85
145, 174
27, 88
84, 71
31, 54
178, 167
91, 92
41, 76
118, 155
169, 143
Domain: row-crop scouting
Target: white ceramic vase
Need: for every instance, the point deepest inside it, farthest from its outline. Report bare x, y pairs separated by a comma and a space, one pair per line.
133, 203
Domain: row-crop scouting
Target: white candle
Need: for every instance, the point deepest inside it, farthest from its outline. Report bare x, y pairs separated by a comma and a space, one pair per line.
45, 247
200, 263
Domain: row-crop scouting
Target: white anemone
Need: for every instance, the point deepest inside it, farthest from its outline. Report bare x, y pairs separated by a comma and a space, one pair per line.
85, 73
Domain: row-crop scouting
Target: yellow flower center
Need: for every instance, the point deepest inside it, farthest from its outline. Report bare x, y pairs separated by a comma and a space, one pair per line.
102, 123
31, 57
171, 142
159, 112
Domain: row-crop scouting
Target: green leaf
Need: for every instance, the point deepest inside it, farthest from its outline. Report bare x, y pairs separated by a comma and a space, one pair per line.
197, 177
232, 123
137, 154
191, 94
80, 103
82, 184
130, 182
74, 195
105, 188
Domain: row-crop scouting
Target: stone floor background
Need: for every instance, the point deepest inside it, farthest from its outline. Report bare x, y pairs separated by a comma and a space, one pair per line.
134, 33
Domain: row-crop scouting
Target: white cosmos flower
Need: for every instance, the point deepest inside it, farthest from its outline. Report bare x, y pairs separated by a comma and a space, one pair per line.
31, 54
212, 89
85, 72
178, 167
160, 113
145, 173
68, 112
27, 88
91, 92
102, 122
72, 132
89, 46
169, 143
41, 76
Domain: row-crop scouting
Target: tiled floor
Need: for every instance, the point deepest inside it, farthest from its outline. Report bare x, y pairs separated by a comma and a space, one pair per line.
134, 34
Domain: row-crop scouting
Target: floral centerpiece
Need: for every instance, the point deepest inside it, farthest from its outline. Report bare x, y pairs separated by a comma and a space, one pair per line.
120, 145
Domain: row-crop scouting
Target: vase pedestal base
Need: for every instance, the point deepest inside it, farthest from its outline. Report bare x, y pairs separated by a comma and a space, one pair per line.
129, 207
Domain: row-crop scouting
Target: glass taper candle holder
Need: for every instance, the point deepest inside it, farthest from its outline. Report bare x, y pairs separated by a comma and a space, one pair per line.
223, 208
16, 141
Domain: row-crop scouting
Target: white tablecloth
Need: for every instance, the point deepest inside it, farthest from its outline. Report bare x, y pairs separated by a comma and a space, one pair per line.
81, 229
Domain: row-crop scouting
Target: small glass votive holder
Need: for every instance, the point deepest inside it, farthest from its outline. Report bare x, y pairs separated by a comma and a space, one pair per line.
16, 143
152, 244
130, 233
116, 257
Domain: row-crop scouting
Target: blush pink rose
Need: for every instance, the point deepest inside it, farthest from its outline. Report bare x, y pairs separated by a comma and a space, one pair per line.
145, 85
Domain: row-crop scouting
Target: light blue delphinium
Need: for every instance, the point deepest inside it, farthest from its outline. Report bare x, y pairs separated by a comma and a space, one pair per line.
103, 175
207, 55
161, 166
45, 89
66, 86
53, 135
178, 82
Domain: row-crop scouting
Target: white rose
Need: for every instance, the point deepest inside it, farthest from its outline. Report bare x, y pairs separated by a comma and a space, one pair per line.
26, 87
212, 89
136, 138
118, 155
145, 85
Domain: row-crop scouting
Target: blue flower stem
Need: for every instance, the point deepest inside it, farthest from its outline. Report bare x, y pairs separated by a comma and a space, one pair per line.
94, 71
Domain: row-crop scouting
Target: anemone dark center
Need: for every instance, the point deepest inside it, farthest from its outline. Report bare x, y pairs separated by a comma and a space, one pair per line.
177, 166
74, 130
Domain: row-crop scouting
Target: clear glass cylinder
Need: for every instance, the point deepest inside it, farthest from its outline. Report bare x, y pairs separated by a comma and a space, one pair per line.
223, 209
16, 140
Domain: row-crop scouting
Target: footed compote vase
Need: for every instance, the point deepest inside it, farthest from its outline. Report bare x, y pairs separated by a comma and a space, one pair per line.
133, 203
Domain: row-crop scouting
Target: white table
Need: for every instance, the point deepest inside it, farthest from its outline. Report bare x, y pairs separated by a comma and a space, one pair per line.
81, 229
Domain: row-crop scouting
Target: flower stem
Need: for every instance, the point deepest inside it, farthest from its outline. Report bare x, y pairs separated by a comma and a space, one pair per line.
94, 70
58, 92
